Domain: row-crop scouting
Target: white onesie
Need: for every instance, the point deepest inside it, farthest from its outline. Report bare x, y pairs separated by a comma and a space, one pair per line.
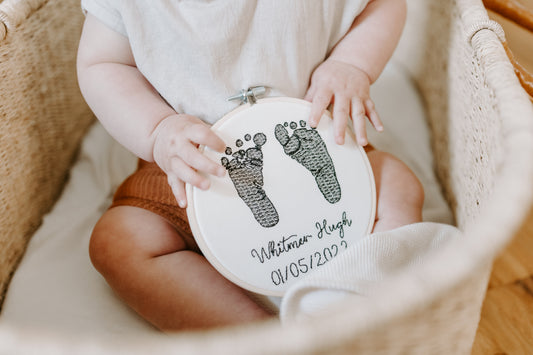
196, 53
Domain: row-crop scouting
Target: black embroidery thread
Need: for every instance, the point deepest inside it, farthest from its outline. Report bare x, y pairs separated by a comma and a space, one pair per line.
307, 147
246, 172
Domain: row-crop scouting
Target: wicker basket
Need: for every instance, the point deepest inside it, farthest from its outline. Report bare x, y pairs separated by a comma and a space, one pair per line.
482, 125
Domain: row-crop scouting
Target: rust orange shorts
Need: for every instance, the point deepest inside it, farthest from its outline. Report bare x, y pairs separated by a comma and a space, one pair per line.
148, 188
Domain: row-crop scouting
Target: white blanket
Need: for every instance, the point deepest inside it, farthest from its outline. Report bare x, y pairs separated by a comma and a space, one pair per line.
360, 271
55, 286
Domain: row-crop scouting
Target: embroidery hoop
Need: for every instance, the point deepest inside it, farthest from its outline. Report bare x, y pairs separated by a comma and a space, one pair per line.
302, 241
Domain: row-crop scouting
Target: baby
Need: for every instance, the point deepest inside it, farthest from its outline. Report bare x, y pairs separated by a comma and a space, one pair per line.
156, 74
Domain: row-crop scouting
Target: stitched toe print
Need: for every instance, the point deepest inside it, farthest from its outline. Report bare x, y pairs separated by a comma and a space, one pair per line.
307, 147
245, 168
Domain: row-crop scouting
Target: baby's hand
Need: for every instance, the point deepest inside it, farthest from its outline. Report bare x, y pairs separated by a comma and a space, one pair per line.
176, 152
348, 88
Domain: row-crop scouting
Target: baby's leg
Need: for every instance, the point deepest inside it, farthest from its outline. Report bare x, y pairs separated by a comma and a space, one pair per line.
400, 194
151, 267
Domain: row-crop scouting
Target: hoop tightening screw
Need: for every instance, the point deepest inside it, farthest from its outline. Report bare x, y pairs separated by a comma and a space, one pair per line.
249, 95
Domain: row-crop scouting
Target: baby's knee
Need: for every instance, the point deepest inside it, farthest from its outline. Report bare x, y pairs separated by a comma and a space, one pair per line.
111, 246
103, 245
411, 189
396, 182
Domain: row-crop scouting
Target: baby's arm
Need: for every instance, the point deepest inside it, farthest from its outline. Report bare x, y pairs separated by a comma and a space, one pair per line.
132, 111
356, 61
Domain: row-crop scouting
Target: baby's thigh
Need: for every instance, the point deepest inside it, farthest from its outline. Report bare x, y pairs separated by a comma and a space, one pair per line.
126, 234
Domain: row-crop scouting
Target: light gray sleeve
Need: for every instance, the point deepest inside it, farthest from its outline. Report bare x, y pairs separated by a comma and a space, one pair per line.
107, 11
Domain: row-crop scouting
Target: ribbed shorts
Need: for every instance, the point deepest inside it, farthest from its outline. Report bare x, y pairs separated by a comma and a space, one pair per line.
148, 188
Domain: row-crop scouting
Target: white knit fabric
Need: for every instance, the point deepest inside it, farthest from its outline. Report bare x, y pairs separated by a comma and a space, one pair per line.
360, 271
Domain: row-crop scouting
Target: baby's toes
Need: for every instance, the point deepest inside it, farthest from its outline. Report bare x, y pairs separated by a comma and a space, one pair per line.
281, 134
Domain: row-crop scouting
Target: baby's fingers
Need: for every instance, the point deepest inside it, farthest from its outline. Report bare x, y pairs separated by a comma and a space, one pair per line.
178, 189
198, 161
341, 115
359, 118
188, 175
373, 115
203, 135
320, 103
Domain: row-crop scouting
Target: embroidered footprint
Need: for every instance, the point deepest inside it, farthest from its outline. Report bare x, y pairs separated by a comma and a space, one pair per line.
246, 172
307, 147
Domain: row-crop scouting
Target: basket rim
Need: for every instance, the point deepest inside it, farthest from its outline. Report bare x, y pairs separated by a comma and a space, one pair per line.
481, 241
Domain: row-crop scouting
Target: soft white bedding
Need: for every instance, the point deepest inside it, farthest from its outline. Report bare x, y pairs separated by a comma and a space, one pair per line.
55, 286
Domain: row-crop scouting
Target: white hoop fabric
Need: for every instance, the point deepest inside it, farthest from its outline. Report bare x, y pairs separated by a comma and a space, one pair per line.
292, 199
